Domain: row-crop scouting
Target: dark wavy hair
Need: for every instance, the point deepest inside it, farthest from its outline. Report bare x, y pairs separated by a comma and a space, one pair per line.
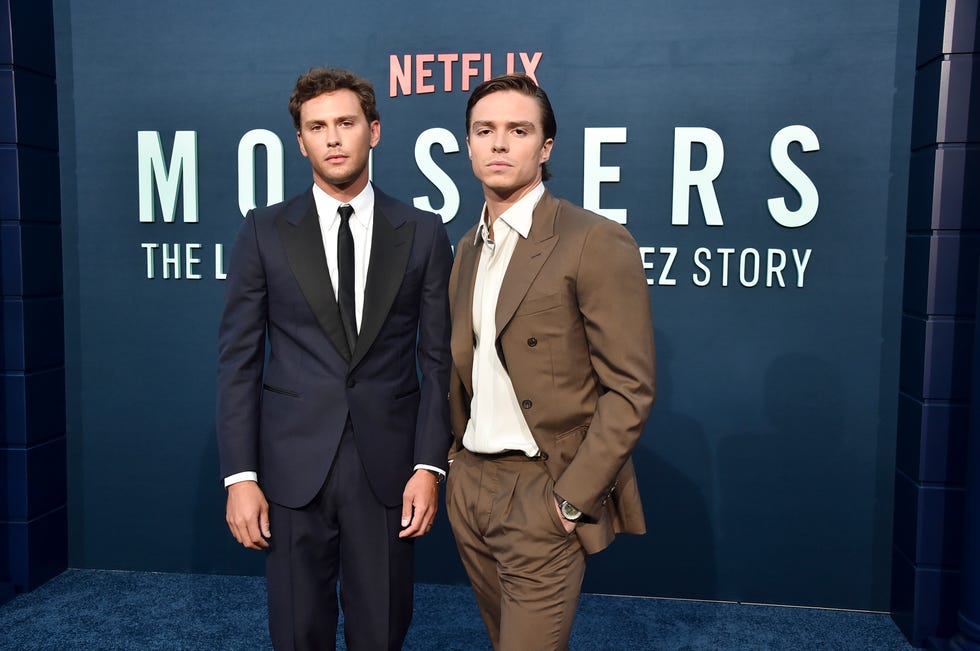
525, 85
326, 80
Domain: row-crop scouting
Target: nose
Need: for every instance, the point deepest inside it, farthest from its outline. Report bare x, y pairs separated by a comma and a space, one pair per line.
333, 136
500, 142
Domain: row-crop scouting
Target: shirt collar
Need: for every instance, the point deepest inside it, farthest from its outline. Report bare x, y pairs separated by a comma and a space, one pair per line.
518, 216
363, 205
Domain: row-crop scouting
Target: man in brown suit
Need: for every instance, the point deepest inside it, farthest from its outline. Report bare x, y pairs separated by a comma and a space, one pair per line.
553, 378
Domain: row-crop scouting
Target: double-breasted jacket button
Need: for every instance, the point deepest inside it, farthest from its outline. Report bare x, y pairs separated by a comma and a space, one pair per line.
527, 404
532, 342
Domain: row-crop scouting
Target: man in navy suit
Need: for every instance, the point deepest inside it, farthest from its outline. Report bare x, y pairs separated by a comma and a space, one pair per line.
331, 445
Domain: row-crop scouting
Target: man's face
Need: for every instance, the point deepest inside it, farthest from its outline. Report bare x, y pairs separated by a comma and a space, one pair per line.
337, 138
507, 144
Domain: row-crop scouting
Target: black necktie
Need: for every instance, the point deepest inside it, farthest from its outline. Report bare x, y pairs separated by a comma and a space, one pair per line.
345, 269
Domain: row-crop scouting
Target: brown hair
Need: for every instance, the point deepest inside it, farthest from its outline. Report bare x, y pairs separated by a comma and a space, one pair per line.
526, 86
326, 80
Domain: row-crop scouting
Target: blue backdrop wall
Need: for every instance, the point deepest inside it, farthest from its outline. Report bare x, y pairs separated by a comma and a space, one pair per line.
757, 151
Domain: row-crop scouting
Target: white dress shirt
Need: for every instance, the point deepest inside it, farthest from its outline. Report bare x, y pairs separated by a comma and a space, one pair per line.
361, 228
496, 421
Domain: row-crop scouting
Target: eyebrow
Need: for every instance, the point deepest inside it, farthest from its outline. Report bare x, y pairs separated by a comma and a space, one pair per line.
489, 123
339, 118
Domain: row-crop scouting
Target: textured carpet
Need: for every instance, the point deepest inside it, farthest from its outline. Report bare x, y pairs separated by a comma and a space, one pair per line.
105, 611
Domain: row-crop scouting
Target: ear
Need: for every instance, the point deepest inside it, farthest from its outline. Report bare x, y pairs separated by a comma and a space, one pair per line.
302, 148
546, 149
468, 150
375, 133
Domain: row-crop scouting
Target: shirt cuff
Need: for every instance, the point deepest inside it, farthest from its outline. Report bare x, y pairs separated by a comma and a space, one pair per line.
442, 473
248, 475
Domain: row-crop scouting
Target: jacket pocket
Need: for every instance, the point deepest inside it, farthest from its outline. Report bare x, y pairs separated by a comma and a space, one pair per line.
535, 304
284, 392
581, 429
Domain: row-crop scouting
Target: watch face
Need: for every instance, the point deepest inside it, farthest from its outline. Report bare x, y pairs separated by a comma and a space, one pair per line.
569, 512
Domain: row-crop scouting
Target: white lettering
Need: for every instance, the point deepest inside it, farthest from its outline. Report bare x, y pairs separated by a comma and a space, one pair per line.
246, 168
748, 282
809, 197
595, 173
700, 255
219, 262
434, 173
171, 261
703, 179
190, 260
801, 265
152, 166
772, 269
150, 248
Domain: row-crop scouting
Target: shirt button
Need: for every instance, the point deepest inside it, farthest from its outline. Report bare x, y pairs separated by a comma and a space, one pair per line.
350, 383
527, 404
532, 342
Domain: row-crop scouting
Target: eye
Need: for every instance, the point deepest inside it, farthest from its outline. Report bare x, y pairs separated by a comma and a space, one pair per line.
520, 132
316, 127
482, 132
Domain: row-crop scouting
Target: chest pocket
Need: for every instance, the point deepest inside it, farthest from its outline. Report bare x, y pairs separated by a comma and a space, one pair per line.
532, 304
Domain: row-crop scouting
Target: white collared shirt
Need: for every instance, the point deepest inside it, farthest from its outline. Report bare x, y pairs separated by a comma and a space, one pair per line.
496, 420
361, 228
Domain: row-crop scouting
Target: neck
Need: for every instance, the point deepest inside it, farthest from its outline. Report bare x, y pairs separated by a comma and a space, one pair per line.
344, 193
498, 203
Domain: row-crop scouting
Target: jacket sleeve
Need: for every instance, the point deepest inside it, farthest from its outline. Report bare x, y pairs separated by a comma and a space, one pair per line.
614, 303
432, 431
241, 354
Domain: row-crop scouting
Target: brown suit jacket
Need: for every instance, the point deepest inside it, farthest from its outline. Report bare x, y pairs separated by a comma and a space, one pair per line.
575, 334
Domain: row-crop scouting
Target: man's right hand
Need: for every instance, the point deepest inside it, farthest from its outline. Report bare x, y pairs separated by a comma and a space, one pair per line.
247, 514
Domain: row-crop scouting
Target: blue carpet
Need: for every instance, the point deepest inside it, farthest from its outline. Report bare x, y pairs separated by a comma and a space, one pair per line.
84, 610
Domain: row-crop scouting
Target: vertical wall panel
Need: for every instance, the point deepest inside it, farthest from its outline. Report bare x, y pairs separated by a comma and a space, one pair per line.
33, 481
939, 326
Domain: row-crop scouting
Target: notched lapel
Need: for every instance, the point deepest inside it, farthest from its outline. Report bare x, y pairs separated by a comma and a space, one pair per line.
391, 247
529, 256
303, 243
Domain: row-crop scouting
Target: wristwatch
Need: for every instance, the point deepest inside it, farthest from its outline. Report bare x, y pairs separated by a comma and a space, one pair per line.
438, 475
569, 512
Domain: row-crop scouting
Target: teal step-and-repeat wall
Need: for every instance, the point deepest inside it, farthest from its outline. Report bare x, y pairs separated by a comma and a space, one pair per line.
757, 151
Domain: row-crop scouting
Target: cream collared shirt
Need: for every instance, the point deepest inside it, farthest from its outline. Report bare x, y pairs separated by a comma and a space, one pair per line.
496, 421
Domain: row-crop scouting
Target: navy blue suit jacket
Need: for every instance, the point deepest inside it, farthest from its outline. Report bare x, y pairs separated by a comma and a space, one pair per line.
283, 414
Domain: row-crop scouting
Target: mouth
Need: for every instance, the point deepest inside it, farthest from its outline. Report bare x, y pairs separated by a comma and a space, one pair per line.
336, 158
498, 164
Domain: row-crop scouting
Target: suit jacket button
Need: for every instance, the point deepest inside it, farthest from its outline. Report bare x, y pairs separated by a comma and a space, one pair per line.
527, 404
532, 342
350, 383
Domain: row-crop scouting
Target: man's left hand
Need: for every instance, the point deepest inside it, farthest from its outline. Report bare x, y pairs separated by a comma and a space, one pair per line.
420, 501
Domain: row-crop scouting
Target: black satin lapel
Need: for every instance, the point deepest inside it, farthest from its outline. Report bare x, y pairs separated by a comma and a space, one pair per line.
390, 250
304, 250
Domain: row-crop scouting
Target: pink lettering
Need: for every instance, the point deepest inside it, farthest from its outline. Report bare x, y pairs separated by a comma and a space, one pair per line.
468, 70
422, 73
530, 65
447, 61
399, 76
